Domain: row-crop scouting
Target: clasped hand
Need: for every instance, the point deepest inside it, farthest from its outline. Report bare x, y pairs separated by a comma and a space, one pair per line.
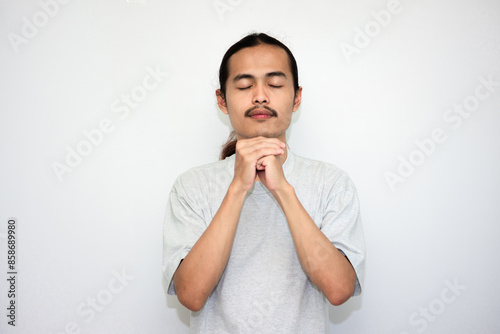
259, 157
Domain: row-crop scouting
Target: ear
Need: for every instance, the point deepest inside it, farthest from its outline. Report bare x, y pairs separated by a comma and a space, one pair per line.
297, 99
221, 101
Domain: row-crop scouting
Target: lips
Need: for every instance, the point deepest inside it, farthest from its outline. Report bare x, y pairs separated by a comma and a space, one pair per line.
261, 113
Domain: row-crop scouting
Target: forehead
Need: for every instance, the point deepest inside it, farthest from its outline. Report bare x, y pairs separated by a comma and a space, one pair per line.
259, 60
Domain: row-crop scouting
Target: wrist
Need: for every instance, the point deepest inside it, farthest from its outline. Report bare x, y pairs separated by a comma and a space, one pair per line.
236, 188
284, 192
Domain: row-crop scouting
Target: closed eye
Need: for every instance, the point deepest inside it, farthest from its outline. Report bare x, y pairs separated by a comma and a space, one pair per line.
243, 88
275, 86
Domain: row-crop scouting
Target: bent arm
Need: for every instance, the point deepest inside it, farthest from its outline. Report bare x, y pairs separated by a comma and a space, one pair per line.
323, 263
200, 271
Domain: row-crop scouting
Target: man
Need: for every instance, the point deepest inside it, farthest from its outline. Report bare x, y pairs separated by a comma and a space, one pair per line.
260, 241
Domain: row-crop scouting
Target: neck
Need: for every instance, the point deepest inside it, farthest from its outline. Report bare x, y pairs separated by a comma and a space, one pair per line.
285, 154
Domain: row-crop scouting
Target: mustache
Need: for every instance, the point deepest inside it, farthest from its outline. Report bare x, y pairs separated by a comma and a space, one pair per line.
272, 111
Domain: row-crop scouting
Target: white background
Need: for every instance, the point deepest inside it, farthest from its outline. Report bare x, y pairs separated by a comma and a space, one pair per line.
436, 226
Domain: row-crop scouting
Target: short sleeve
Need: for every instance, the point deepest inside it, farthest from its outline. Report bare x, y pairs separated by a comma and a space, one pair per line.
183, 226
342, 225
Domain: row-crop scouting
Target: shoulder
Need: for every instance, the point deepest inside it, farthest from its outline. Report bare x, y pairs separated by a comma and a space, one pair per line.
325, 173
200, 176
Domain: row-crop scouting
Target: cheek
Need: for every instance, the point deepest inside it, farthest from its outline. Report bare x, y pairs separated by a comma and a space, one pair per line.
232, 105
288, 119
235, 115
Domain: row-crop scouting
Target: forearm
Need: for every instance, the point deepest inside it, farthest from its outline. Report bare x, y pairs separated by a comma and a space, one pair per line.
324, 264
201, 269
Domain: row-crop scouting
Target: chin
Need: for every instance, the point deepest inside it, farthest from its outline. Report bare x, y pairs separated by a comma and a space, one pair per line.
267, 134
261, 132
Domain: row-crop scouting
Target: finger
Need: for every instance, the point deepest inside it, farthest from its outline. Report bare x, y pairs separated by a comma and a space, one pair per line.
259, 140
266, 153
261, 149
266, 161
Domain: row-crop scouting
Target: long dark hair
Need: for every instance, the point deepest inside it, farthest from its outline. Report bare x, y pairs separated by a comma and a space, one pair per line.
229, 148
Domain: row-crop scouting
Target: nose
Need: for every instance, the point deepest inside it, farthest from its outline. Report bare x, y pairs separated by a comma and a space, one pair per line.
260, 95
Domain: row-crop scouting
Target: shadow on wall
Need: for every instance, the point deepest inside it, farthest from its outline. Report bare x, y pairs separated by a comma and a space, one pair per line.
183, 314
339, 314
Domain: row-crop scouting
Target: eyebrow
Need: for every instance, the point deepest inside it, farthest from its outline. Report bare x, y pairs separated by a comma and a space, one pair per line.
268, 75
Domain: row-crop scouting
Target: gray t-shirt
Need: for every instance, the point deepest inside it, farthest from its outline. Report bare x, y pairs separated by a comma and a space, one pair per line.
263, 288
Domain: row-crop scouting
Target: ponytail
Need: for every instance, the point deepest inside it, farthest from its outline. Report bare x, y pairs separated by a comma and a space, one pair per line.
229, 148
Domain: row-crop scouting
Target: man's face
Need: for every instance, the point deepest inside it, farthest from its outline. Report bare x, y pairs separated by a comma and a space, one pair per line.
260, 95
